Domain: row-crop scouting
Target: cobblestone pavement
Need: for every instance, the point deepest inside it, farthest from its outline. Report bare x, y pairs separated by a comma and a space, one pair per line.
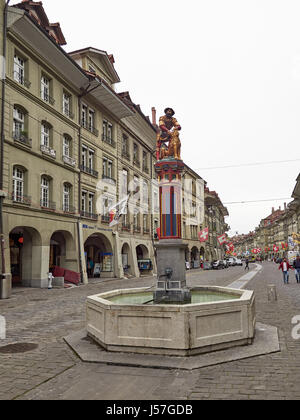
52, 371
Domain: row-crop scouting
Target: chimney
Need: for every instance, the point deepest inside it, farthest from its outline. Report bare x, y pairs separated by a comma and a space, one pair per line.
153, 115
284, 206
273, 209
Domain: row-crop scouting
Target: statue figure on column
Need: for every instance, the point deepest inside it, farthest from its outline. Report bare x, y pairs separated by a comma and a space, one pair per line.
167, 135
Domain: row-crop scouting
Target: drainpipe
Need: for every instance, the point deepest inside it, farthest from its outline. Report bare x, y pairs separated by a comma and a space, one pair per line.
2, 195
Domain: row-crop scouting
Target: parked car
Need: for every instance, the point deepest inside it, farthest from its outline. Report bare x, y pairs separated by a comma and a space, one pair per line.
231, 261
238, 262
226, 263
207, 265
218, 265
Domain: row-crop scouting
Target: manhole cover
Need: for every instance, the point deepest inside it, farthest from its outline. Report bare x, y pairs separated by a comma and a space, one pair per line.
18, 348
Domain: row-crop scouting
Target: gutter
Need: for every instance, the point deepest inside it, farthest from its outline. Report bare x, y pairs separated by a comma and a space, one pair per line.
2, 196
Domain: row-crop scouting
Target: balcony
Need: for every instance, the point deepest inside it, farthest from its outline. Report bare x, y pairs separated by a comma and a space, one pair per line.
89, 171
109, 179
48, 151
22, 137
66, 111
146, 231
126, 228
48, 205
88, 215
145, 169
21, 79
69, 161
136, 229
69, 209
105, 219
21, 199
108, 140
47, 98
90, 128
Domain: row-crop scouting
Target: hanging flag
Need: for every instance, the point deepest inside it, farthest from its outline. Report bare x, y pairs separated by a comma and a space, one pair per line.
222, 239
275, 248
258, 250
203, 235
117, 210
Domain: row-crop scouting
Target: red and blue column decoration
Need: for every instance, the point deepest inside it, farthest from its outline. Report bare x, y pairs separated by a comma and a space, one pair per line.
170, 193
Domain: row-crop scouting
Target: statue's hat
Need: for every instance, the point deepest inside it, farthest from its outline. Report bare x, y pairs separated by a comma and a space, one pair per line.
167, 109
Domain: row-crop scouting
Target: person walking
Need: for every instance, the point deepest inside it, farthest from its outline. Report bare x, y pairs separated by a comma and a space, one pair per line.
247, 264
285, 267
296, 265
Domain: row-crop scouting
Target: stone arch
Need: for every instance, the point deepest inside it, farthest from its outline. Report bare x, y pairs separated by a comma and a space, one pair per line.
63, 250
127, 259
194, 257
26, 257
99, 250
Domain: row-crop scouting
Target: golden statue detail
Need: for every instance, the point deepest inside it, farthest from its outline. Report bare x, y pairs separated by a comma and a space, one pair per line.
166, 135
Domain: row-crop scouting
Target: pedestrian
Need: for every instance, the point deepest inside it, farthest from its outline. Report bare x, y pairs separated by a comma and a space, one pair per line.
296, 265
285, 266
247, 264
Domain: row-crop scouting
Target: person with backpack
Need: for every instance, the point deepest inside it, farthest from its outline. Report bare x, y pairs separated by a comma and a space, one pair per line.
296, 265
285, 266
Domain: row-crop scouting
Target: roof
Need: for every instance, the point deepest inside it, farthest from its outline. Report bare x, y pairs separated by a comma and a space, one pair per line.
36, 10
109, 59
125, 96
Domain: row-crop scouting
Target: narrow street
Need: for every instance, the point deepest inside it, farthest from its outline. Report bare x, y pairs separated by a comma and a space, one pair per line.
53, 371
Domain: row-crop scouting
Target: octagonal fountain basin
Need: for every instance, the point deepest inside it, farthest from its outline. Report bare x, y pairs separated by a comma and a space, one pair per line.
128, 321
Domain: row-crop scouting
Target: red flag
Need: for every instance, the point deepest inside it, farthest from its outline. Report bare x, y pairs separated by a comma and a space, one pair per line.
158, 232
203, 235
222, 239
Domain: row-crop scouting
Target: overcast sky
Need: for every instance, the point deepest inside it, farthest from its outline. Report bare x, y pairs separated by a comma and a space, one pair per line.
231, 71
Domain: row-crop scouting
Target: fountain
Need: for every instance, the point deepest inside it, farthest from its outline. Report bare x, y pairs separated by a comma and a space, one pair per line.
173, 319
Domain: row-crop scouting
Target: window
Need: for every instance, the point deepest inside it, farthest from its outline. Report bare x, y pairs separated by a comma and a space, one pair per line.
136, 184
91, 203
45, 192
107, 168
19, 122
83, 201
136, 219
84, 116
145, 222
91, 159
18, 184
66, 146
84, 154
124, 184
45, 135
135, 152
45, 90
145, 192
67, 105
145, 162
124, 144
66, 197
107, 129
19, 70
91, 120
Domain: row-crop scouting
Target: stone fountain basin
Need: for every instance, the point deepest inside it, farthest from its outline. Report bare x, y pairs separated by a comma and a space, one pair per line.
178, 330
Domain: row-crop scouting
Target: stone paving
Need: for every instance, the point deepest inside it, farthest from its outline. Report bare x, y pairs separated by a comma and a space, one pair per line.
52, 371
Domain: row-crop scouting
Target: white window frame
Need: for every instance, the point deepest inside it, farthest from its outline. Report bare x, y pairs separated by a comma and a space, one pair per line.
45, 191
18, 184
19, 121
45, 88
66, 197
45, 135
67, 142
66, 104
84, 115
19, 69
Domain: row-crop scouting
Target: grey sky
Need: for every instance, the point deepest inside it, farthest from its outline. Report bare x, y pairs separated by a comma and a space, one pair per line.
231, 71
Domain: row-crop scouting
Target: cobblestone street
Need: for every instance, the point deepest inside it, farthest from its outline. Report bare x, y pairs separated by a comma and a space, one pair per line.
53, 371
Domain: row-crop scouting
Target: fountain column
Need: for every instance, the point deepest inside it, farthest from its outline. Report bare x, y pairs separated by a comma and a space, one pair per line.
171, 270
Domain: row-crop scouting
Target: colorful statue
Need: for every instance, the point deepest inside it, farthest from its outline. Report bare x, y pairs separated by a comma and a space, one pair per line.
166, 135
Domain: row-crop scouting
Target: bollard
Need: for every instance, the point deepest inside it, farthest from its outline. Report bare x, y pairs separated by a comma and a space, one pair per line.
272, 293
50, 278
